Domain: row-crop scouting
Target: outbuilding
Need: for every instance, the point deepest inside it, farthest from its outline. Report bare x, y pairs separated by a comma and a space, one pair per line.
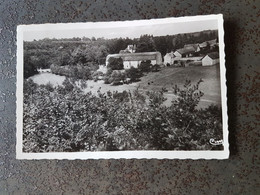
210, 59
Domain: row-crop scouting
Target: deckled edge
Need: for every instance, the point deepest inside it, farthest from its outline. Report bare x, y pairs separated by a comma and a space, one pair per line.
194, 155
19, 92
223, 80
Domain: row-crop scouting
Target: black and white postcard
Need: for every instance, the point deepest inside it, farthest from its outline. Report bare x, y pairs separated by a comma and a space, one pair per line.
152, 89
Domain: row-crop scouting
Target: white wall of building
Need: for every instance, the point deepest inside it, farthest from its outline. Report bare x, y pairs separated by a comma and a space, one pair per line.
135, 64
129, 64
169, 58
153, 62
207, 61
177, 54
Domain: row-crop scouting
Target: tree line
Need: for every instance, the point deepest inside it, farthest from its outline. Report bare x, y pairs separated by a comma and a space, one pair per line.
93, 51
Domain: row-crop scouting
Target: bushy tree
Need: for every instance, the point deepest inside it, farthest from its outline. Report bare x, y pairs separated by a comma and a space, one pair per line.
116, 77
116, 45
133, 73
145, 66
115, 63
78, 71
29, 67
145, 44
163, 44
92, 52
64, 58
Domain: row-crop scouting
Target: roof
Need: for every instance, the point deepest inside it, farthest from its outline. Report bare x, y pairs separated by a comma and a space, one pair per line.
186, 50
124, 51
135, 56
213, 42
194, 46
204, 44
213, 55
210, 42
170, 54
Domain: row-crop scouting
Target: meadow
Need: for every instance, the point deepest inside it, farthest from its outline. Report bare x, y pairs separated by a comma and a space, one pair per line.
165, 79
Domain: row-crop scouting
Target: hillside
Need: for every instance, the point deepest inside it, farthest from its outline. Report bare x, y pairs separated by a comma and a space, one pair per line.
168, 77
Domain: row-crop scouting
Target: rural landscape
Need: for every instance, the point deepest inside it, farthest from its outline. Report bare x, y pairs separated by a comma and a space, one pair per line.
144, 93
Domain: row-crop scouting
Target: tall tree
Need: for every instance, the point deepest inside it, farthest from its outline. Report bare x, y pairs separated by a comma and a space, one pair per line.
145, 44
161, 44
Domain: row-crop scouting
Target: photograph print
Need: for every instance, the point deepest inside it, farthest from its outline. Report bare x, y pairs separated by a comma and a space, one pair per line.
125, 89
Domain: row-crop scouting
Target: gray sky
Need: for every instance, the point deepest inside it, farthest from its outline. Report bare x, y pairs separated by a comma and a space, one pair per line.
128, 31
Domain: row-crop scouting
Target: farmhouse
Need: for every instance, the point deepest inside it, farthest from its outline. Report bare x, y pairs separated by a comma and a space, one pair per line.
169, 58
134, 59
184, 52
210, 59
210, 43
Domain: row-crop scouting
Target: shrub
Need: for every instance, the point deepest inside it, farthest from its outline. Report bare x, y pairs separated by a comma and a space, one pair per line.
65, 119
116, 77
189, 97
123, 96
133, 73
145, 66
156, 68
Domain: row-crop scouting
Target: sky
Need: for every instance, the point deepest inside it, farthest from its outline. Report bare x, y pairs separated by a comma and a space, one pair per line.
109, 31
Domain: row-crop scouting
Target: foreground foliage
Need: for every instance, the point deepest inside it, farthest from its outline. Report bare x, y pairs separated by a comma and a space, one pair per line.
65, 119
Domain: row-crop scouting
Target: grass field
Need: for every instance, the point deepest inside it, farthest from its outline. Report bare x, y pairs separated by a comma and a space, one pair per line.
170, 76
155, 81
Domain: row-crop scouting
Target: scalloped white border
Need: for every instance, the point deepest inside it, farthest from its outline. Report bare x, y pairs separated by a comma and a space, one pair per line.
224, 154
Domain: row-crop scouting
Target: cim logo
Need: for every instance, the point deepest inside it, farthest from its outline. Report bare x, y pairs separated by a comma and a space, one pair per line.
215, 142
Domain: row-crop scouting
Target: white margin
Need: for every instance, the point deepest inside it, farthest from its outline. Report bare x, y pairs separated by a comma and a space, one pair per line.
145, 154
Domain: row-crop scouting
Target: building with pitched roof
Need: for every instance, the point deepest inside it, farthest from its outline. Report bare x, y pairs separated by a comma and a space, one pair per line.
210, 44
184, 52
134, 59
168, 59
210, 59
129, 49
194, 47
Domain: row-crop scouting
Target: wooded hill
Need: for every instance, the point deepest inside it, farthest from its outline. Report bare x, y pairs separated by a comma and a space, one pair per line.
93, 51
